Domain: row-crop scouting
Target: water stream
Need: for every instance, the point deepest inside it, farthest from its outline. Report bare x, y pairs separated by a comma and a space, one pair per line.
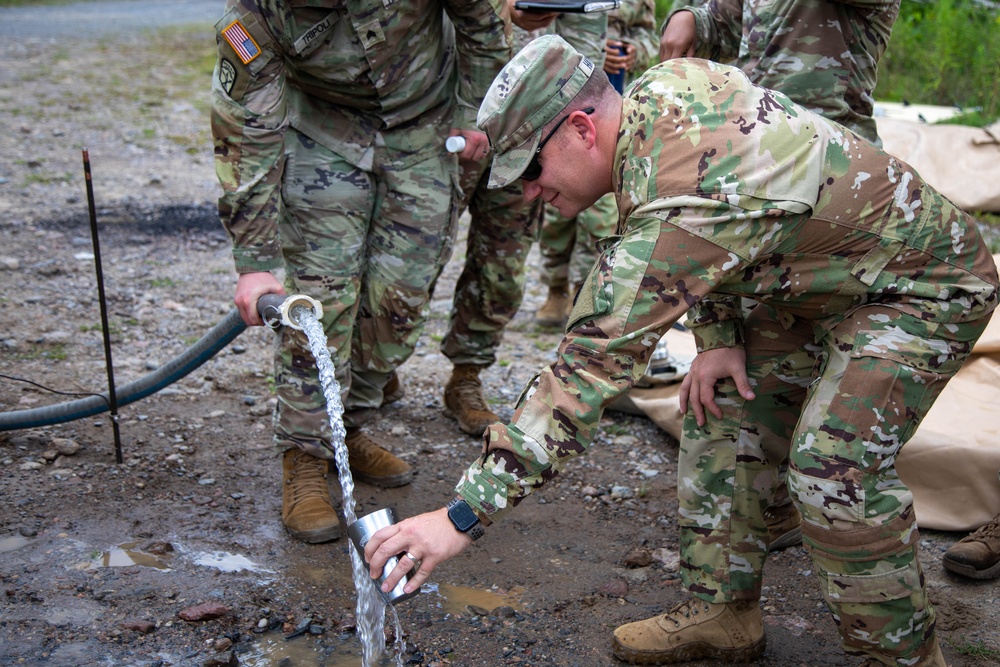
370, 610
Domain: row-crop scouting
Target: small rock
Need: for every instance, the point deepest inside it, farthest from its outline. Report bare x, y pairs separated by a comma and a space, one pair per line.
227, 659
9, 263
399, 431
476, 611
31, 465
616, 588
158, 548
27, 531
222, 644
671, 559
206, 611
618, 491
215, 414
143, 627
65, 446
638, 557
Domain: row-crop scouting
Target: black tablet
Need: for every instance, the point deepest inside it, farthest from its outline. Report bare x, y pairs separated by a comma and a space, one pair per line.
566, 6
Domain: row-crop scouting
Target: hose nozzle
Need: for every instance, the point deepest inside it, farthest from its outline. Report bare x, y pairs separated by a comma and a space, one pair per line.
277, 310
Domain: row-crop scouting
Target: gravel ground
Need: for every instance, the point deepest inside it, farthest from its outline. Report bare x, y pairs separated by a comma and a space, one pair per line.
177, 555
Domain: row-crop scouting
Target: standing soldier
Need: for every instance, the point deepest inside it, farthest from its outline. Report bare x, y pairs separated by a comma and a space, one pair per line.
502, 228
569, 245
329, 122
823, 55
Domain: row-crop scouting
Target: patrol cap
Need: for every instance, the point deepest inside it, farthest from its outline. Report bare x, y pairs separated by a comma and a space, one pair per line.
531, 91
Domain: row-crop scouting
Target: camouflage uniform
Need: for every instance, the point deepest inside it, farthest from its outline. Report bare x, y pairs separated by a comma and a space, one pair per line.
824, 55
503, 226
873, 289
569, 245
329, 125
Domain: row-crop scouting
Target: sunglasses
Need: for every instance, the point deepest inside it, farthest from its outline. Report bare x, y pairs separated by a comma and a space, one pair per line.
534, 168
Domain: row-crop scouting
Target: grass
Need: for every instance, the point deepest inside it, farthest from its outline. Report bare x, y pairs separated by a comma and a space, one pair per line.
944, 52
976, 649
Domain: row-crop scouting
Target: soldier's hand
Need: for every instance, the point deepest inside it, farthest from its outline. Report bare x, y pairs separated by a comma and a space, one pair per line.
477, 146
428, 539
249, 288
530, 20
614, 60
698, 386
679, 37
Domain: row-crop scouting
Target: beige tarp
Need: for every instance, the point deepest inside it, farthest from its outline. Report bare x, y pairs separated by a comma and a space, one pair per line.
952, 462
961, 162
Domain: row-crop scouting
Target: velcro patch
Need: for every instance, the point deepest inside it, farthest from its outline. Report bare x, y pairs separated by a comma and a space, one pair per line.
227, 76
241, 41
371, 34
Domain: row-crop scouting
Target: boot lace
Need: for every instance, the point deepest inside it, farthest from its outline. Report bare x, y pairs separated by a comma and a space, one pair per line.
988, 532
687, 609
307, 477
469, 391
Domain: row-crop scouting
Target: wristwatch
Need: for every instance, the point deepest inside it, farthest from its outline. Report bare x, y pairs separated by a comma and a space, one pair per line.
464, 519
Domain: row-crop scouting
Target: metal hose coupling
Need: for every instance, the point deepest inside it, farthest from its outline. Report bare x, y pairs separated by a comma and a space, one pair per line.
279, 310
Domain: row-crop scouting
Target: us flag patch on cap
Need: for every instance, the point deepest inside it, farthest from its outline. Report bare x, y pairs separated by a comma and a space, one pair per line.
241, 41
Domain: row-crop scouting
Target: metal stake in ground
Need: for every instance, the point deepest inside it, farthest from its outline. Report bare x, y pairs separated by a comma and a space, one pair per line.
113, 400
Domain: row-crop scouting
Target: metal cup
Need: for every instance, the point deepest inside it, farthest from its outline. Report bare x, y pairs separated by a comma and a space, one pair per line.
360, 532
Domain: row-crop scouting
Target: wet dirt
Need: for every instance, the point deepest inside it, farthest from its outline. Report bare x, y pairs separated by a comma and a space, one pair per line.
98, 559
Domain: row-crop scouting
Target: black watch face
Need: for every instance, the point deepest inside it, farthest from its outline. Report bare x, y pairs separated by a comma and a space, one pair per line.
462, 516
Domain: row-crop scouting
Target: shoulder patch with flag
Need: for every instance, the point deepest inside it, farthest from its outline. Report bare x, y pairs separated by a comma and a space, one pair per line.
241, 41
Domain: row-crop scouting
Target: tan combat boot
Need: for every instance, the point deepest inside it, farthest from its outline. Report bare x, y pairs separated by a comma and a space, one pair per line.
555, 310
731, 632
976, 555
783, 527
372, 464
306, 508
934, 659
464, 402
393, 390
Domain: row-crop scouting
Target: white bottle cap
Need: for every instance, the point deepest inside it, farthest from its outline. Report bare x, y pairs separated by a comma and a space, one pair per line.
455, 144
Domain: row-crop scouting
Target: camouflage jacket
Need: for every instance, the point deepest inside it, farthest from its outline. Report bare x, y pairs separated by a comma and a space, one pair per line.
585, 32
635, 22
821, 53
341, 73
728, 190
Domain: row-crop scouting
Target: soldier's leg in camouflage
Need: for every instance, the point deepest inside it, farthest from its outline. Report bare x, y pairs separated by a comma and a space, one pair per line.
882, 369
487, 296
727, 476
555, 242
331, 275
410, 234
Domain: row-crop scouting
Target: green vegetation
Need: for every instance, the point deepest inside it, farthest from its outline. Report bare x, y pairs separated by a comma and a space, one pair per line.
944, 52
976, 649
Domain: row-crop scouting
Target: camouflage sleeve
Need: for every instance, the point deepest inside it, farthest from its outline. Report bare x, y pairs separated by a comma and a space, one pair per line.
249, 118
716, 322
640, 286
642, 33
719, 29
586, 33
483, 39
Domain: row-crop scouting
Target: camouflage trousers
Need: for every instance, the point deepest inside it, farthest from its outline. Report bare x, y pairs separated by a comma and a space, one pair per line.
569, 245
366, 244
835, 401
489, 291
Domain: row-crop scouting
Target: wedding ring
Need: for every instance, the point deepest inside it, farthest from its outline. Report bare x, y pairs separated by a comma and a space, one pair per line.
411, 557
